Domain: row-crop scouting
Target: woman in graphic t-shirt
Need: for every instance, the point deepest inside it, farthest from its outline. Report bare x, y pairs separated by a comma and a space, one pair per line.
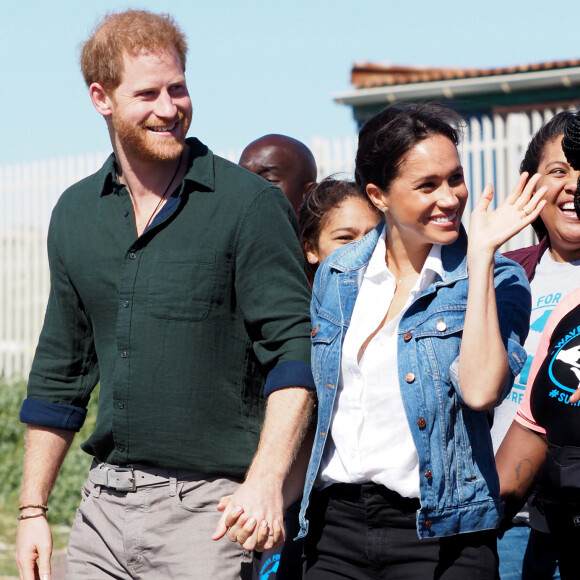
553, 269
549, 419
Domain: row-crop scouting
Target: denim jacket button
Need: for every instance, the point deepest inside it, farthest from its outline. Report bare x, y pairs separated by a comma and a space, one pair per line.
407, 336
421, 422
428, 474
314, 331
428, 524
441, 325
410, 377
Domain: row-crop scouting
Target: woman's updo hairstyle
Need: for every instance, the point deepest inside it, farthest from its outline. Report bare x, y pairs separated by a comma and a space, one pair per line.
552, 129
386, 138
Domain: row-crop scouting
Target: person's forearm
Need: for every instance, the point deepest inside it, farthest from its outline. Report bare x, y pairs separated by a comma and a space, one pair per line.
287, 417
254, 514
518, 460
45, 451
294, 483
483, 362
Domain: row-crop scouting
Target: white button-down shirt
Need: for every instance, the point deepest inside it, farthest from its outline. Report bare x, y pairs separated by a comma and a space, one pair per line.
370, 437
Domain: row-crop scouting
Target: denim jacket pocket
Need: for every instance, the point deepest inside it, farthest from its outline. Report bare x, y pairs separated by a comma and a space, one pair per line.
439, 340
325, 358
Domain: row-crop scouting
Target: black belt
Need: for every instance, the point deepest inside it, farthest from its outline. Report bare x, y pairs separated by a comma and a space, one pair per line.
362, 491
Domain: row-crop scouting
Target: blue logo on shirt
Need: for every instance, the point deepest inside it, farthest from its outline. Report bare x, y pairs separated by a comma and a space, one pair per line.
564, 368
270, 567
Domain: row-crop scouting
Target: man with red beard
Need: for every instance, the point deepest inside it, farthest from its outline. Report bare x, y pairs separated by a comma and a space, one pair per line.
177, 282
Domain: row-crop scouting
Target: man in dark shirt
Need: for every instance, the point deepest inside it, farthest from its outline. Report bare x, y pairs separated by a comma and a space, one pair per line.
177, 282
283, 161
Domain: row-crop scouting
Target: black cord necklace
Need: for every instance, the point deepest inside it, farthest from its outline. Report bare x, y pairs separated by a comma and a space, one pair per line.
164, 193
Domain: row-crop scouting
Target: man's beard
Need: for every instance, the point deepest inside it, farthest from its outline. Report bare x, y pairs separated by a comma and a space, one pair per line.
140, 141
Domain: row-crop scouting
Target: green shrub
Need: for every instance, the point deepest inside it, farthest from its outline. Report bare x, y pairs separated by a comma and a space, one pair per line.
66, 494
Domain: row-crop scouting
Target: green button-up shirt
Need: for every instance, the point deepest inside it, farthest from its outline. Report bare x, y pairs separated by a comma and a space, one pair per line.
183, 326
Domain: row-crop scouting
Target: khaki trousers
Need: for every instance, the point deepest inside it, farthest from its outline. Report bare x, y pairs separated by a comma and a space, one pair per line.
158, 532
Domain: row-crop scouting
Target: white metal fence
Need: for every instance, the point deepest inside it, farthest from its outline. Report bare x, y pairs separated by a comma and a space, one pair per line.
491, 152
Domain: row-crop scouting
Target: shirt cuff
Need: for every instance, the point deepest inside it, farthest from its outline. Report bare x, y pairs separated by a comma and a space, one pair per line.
290, 373
53, 415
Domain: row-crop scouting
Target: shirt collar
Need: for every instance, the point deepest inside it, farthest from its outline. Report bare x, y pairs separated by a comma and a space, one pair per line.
377, 269
200, 169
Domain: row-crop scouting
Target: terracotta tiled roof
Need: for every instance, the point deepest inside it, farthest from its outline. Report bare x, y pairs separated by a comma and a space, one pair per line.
367, 75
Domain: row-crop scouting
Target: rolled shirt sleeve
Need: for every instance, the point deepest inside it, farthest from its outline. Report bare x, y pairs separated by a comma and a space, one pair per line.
277, 312
65, 369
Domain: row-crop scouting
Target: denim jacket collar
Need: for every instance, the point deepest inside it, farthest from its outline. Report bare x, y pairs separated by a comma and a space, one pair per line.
356, 256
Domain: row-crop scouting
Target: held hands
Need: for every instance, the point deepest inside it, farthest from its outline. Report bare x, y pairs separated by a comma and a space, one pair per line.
246, 522
490, 230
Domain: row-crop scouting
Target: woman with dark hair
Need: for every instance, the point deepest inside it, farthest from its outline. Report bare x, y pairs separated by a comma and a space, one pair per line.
553, 269
544, 438
333, 213
402, 465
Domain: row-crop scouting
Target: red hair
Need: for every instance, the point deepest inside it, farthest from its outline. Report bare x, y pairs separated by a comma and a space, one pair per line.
129, 32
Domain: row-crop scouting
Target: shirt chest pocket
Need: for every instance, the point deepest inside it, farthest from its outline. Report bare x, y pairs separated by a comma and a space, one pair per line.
182, 288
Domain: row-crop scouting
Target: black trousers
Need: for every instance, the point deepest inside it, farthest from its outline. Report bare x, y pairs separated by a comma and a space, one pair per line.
367, 532
564, 524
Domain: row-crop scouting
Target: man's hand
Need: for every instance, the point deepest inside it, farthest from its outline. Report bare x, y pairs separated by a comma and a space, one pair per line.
253, 516
33, 549
45, 451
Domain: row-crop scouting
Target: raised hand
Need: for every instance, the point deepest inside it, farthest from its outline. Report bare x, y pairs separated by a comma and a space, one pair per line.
488, 230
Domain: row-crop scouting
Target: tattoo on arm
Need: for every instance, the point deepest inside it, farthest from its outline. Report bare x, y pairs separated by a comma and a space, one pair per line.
524, 474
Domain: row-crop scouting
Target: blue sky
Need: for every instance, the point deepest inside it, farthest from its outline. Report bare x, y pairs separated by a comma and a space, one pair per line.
259, 66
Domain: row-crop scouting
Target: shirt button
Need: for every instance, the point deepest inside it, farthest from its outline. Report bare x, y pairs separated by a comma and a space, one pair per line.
132, 255
410, 377
407, 336
428, 524
124, 354
126, 213
121, 405
126, 304
121, 449
428, 475
421, 422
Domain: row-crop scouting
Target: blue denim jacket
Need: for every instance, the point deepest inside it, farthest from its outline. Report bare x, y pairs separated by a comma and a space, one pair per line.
459, 486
